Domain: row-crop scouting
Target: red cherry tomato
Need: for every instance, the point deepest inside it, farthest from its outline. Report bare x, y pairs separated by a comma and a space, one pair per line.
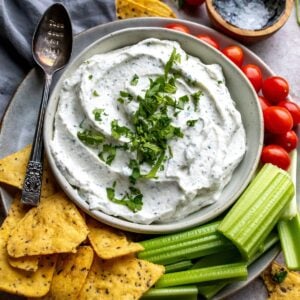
209, 40
277, 119
254, 74
276, 155
293, 108
288, 140
194, 2
275, 89
235, 54
178, 27
264, 103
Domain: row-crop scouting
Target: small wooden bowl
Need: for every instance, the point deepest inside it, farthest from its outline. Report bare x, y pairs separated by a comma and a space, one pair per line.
244, 35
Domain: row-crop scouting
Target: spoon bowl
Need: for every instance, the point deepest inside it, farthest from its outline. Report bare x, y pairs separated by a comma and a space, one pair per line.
52, 41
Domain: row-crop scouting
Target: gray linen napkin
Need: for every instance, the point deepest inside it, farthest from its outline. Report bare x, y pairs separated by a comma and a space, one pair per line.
18, 19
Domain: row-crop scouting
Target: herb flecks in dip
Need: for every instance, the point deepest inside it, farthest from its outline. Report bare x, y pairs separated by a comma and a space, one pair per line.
147, 133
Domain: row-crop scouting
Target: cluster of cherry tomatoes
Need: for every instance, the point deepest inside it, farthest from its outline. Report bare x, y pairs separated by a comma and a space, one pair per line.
280, 115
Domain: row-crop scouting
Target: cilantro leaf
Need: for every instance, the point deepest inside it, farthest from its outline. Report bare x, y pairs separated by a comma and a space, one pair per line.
191, 123
134, 80
97, 113
95, 93
133, 199
279, 276
108, 153
196, 98
90, 137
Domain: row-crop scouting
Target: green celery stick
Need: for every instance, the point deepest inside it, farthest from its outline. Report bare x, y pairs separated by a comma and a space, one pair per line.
289, 233
175, 238
219, 244
179, 292
257, 211
203, 275
210, 290
183, 245
180, 266
221, 258
291, 210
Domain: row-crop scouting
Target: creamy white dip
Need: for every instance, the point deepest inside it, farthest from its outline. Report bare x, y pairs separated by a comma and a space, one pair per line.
197, 166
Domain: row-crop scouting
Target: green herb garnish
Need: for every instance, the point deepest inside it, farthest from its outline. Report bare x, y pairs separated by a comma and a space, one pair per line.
196, 98
182, 101
133, 199
279, 276
134, 80
191, 123
95, 94
90, 77
90, 137
108, 153
117, 131
98, 113
135, 167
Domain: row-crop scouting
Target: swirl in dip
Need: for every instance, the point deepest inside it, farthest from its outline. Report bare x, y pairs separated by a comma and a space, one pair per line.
147, 133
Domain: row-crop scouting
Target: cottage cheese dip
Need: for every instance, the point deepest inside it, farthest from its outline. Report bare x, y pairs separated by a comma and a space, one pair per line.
147, 133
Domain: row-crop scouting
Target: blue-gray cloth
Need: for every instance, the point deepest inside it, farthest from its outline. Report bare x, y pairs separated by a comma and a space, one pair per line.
18, 19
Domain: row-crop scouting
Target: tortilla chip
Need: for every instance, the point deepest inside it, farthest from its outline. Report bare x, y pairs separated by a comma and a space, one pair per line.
70, 274
14, 281
13, 169
27, 263
55, 226
124, 278
109, 242
133, 9
288, 289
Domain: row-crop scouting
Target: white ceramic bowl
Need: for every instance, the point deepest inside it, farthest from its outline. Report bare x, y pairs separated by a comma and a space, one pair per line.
241, 91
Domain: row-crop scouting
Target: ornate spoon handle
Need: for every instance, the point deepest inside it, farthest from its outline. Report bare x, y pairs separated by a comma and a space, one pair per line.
33, 179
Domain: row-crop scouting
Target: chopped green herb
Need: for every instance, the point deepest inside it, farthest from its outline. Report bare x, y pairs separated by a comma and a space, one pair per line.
196, 98
90, 137
174, 58
220, 81
182, 101
95, 94
126, 95
135, 167
121, 100
90, 77
133, 200
280, 276
118, 131
153, 171
191, 123
98, 113
108, 153
170, 151
134, 80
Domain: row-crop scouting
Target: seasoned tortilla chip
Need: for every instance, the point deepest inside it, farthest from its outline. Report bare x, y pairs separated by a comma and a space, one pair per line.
15, 281
27, 263
55, 226
134, 9
123, 278
70, 274
109, 242
13, 169
288, 289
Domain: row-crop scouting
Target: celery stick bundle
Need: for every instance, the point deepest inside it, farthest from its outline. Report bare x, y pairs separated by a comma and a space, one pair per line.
258, 210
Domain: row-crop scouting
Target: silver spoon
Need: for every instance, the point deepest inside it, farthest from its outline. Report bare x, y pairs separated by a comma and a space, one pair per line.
51, 47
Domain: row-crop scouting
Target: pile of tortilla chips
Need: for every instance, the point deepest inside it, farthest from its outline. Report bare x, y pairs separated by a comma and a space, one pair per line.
55, 251
281, 283
143, 8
